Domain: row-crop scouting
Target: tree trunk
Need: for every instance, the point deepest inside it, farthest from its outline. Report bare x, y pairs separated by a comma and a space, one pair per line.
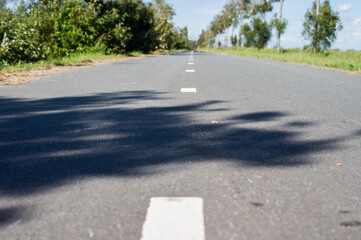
239, 33
226, 38
252, 8
315, 36
232, 27
279, 32
262, 12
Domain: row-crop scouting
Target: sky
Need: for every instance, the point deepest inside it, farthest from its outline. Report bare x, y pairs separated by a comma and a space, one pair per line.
197, 15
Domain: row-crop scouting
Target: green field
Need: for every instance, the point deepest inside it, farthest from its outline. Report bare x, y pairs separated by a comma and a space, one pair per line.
344, 60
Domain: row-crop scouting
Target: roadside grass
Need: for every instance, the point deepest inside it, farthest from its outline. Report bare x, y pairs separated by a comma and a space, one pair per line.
65, 61
344, 60
70, 61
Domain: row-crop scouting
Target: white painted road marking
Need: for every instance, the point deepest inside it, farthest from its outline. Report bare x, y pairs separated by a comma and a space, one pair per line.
190, 71
188, 90
191, 63
174, 219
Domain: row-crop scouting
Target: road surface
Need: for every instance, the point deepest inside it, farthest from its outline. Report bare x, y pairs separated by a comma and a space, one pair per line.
128, 150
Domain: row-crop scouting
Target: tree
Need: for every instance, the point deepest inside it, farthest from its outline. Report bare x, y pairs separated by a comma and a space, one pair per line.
232, 11
139, 18
262, 33
248, 34
2, 4
280, 25
184, 32
47, 29
261, 7
164, 27
258, 33
226, 22
321, 26
234, 41
220, 24
206, 39
315, 37
243, 7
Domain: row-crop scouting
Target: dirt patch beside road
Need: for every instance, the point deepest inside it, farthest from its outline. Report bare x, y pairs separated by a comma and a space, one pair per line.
28, 76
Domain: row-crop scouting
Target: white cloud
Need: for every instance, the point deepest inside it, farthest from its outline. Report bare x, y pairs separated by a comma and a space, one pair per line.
357, 22
344, 8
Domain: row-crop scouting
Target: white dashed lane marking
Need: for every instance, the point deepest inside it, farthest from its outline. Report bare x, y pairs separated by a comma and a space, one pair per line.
174, 219
188, 90
190, 71
191, 63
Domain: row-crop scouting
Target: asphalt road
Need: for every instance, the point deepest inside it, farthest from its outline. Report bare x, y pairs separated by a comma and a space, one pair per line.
83, 152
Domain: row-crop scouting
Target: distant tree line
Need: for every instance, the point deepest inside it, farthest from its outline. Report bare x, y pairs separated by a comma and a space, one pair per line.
320, 26
49, 29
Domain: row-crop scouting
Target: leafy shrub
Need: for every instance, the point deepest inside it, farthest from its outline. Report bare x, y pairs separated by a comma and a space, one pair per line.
44, 29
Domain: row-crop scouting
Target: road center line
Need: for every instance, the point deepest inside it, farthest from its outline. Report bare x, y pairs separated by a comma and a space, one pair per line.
187, 90
174, 219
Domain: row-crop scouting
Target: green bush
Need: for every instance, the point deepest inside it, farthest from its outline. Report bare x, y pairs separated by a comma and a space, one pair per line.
45, 30
19, 36
54, 29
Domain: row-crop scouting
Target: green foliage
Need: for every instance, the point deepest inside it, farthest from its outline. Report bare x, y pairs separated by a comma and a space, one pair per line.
257, 35
321, 29
248, 34
212, 42
139, 18
262, 8
243, 8
280, 26
52, 29
2, 3
43, 29
206, 39
72, 26
202, 40
164, 29
19, 37
179, 39
234, 41
262, 33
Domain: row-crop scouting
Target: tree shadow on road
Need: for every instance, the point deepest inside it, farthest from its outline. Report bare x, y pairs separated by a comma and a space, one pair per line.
11, 214
47, 143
